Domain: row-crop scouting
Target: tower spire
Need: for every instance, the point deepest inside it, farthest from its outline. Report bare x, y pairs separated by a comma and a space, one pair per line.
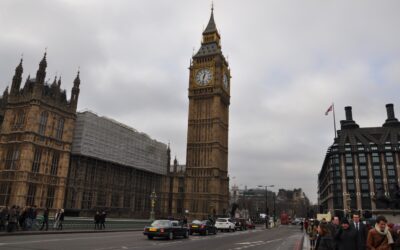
41, 73
17, 79
211, 27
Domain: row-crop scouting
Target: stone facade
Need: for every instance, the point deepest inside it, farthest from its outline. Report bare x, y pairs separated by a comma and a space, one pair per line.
206, 177
35, 140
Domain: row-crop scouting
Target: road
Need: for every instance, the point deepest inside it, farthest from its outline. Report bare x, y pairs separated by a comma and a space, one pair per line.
281, 238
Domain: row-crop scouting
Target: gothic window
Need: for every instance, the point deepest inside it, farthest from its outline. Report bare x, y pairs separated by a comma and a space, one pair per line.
30, 198
115, 200
50, 196
5, 192
19, 120
87, 200
60, 129
12, 158
36, 160
54, 163
127, 200
43, 122
101, 199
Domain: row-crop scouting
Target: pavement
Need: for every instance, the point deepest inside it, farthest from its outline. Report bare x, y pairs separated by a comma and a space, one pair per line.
280, 238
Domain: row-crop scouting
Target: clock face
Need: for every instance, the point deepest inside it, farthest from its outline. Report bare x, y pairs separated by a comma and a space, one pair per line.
203, 77
225, 81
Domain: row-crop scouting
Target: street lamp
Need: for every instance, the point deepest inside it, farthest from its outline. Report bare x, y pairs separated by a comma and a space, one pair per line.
266, 204
153, 198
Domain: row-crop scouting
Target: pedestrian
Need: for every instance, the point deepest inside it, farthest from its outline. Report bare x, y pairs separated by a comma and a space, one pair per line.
312, 232
301, 225
103, 220
22, 219
97, 220
56, 219
12, 219
60, 219
45, 219
326, 241
361, 230
3, 218
379, 237
346, 237
306, 224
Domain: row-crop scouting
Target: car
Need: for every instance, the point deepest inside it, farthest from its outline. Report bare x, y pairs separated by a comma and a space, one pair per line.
204, 227
250, 224
167, 229
240, 224
225, 224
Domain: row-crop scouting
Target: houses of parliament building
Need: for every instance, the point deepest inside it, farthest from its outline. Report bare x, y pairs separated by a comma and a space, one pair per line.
52, 156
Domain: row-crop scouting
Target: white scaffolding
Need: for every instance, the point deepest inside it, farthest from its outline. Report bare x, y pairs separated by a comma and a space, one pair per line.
106, 139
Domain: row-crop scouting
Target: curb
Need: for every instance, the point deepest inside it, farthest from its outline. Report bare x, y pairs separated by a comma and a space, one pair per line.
67, 232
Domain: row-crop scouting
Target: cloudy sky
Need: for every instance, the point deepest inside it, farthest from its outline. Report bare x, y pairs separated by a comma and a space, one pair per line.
289, 61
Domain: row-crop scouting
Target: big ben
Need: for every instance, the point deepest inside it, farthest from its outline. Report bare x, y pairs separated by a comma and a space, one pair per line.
206, 180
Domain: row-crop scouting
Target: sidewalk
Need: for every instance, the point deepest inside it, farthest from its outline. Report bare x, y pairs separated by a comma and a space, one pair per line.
36, 232
306, 243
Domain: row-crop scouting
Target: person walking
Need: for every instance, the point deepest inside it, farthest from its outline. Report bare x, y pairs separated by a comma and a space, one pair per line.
103, 220
379, 237
346, 237
3, 218
97, 220
45, 219
326, 241
361, 230
56, 219
60, 219
12, 219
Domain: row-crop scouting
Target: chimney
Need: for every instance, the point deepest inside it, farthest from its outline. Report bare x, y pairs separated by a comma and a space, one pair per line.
349, 114
391, 120
348, 123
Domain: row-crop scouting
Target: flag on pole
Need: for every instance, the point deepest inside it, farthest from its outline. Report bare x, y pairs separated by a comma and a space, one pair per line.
329, 110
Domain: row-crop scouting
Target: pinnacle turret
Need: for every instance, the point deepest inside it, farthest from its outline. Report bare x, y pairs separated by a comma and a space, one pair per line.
17, 79
41, 73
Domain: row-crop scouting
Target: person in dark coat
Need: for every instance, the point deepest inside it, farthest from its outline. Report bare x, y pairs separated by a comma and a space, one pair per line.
97, 220
45, 219
326, 241
103, 220
346, 237
361, 230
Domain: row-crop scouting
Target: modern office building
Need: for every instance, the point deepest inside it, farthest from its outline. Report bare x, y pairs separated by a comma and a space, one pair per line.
361, 168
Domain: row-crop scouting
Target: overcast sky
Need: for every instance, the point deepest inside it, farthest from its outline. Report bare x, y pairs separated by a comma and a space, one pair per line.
289, 61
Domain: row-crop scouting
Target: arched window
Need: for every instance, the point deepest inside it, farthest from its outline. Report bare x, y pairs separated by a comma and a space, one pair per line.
60, 129
43, 123
54, 163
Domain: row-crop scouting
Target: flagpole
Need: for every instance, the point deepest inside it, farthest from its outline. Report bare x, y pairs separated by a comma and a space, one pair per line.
334, 118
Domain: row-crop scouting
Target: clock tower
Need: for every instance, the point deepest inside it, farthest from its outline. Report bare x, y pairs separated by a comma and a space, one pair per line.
206, 180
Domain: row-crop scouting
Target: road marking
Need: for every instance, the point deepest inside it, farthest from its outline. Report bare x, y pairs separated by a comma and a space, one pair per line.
253, 244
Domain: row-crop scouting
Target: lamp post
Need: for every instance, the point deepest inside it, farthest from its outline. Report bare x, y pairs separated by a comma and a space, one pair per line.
153, 198
266, 204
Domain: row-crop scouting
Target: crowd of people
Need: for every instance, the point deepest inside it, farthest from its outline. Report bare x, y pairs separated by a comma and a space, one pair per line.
25, 219
352, 235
